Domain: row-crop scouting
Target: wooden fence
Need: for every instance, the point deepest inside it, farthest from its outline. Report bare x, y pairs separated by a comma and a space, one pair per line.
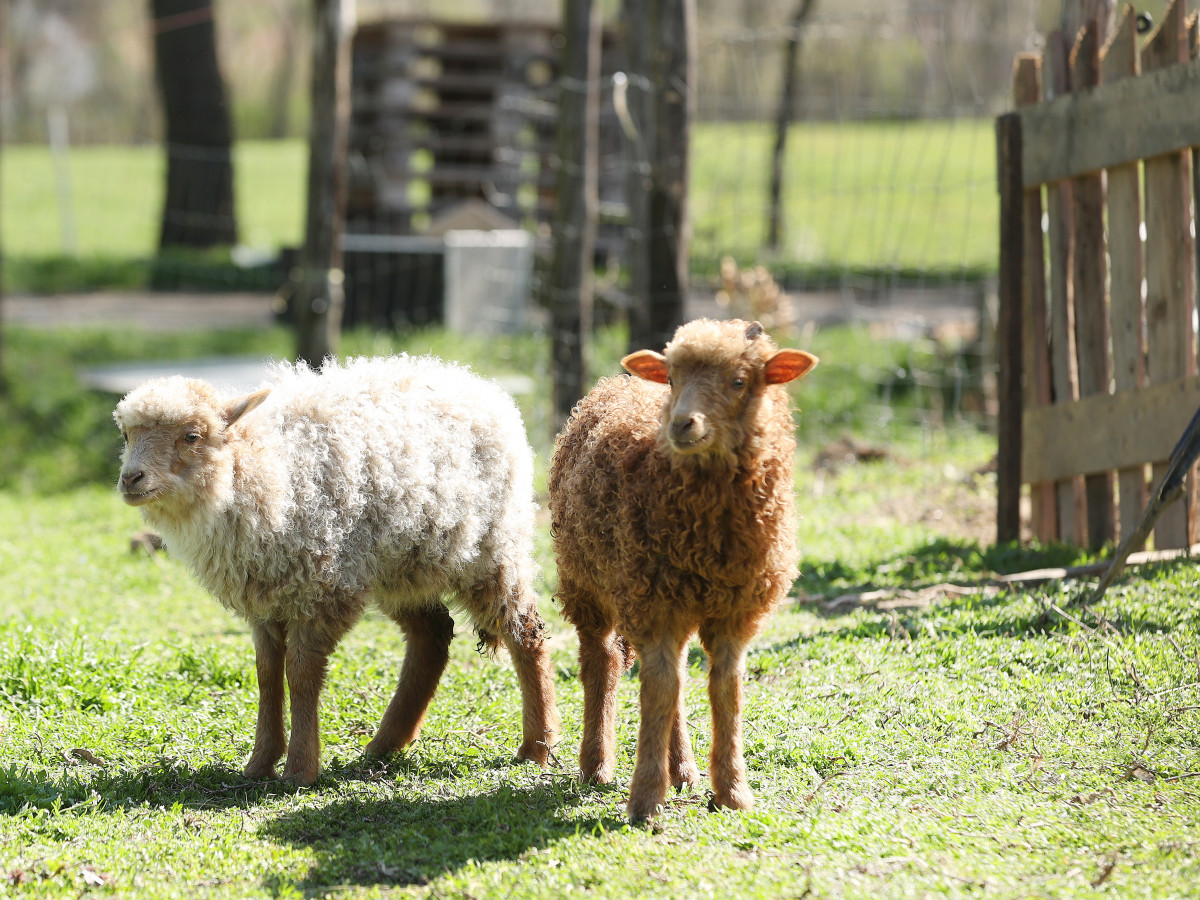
1097, 335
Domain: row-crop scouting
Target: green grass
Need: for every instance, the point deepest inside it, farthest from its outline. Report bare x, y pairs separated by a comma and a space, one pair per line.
117, 191
912, 195
961, 743
909, 196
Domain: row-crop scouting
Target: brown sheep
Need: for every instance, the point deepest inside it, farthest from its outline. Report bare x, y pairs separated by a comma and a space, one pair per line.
672, 512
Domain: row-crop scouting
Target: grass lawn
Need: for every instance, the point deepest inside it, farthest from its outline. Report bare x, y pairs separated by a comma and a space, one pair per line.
909, 195
914, 195
956, 742
117, 191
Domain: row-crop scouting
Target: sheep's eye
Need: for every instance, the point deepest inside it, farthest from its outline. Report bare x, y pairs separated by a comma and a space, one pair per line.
192, 436
739, 383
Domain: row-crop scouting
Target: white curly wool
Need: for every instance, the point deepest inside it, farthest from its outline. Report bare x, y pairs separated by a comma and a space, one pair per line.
406, 482
402, 477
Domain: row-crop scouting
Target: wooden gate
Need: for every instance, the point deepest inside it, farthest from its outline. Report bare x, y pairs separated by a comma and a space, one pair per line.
1097, 177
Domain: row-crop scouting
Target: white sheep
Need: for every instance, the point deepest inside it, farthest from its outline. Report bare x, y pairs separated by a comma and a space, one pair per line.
672, 510
406, 482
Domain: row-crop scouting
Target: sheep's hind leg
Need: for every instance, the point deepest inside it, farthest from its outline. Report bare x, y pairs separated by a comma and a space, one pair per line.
427, 634
680, 760
270, 741
727, 656
308, 649
660, 691
601, 662
540, 725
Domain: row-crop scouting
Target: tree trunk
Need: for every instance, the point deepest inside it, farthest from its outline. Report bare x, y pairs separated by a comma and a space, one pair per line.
783, 119
631, 99
3, 382
575, 211
318, 287
281, 87
661, 163
198, 210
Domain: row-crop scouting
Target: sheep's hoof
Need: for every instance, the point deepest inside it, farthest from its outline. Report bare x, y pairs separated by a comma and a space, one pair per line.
740, 798
256, 771
300, 779
601, 776
533, 751
685, 778
379, 749
642, 813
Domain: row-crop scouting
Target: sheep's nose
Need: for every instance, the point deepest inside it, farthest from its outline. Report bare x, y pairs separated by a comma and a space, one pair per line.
685, 428
129, 479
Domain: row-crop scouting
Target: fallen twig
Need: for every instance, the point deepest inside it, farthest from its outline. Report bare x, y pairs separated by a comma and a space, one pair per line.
919, 598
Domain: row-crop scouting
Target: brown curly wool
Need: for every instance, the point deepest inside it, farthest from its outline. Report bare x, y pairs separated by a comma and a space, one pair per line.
672, 513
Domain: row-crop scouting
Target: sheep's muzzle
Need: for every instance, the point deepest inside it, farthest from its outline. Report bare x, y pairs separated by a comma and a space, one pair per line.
134, 488
688, 432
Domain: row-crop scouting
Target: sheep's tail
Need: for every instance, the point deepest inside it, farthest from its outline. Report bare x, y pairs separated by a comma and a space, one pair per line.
628, 654
527, 628
488, 642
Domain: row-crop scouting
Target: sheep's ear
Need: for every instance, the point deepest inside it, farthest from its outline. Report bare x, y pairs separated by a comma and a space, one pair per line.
235, 409
647, 364
788, 365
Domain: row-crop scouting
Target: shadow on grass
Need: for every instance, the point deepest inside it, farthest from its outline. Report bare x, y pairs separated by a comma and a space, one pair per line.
213, 786
385, 842
162, 783
394, 834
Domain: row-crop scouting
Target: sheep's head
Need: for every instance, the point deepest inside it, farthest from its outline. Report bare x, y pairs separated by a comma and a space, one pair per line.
718, 373
175, 432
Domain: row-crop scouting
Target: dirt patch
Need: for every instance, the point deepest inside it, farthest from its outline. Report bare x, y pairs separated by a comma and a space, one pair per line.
142, 309
952, 502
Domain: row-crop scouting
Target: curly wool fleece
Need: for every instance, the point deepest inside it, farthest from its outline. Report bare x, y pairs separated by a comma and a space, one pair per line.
402, 479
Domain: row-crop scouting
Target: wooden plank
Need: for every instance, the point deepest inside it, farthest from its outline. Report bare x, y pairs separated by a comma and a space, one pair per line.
1170, 337
1043, 515
1008, 331
1064, 375
1124, 201
1089, 272
1037, 576
1107, 431
919, 598
1131, 119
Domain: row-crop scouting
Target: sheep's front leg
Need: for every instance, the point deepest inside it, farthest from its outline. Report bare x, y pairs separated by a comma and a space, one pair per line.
681, 761
660, 691
540, 724
427, 634
308, 649
601, 661
270, 741
727, 660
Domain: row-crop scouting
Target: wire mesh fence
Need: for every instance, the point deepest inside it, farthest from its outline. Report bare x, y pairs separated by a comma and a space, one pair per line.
888, 210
